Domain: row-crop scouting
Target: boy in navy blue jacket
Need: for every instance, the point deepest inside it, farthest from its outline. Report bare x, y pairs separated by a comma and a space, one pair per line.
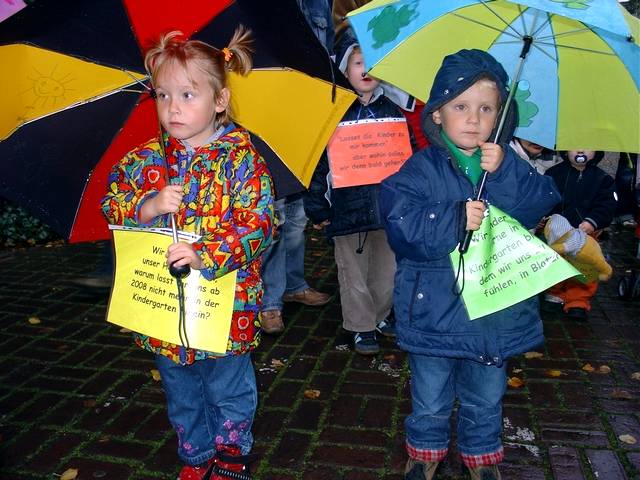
427, 211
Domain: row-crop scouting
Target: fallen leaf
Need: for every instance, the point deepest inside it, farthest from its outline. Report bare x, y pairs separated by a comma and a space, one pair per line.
155, 374
277, 363
621, 394
588, 368
125, 330
69, 474
34, 320
553, 373
635, 376
312, 393
604, 369
515, 382
530, 355
89, 403
629, 439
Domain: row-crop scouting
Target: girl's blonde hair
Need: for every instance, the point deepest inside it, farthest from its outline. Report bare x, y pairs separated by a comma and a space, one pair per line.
173, 48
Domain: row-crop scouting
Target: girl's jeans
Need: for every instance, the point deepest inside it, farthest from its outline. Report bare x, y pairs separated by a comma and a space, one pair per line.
436, 382
210, 402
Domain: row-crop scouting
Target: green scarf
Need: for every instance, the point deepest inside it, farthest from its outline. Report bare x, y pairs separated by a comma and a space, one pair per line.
469, 164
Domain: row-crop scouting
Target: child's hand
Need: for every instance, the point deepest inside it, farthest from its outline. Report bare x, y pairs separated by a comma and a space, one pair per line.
540, 227
475, 214
321, 225
167, 201
492, 156
182, 253
586, 227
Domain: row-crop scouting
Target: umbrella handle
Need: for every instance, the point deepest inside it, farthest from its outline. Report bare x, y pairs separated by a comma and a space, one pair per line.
528, 40
181, 271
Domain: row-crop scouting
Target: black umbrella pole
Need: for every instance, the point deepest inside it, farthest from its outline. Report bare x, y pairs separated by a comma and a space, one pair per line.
464, 246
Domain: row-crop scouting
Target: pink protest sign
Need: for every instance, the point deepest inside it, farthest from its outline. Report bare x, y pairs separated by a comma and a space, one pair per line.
367, 151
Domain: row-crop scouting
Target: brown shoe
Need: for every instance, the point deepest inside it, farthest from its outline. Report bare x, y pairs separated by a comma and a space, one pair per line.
415, 470
271, 321
309, 297
487, 472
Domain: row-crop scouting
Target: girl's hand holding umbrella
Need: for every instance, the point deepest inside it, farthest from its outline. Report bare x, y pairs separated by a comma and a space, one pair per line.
167, 201
181, 253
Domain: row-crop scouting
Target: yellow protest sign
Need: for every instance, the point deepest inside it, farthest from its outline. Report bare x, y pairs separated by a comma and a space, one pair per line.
144, 297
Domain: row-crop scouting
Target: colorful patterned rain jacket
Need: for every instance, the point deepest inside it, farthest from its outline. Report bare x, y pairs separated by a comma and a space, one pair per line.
228, 199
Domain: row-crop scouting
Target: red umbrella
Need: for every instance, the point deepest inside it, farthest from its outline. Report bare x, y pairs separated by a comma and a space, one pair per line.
55, 164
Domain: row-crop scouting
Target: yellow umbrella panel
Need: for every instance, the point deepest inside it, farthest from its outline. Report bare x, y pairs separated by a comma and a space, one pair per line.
272, 101
43, 82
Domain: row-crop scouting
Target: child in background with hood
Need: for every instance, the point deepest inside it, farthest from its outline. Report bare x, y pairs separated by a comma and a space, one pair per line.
589, 204
535, 154
427, 212
351, 218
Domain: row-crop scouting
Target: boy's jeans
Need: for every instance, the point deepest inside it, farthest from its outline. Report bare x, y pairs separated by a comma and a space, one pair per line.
283, 262
210, 402
436, 382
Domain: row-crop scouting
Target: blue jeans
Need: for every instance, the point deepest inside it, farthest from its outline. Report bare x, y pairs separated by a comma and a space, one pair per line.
436, 382
210, 402
283, 261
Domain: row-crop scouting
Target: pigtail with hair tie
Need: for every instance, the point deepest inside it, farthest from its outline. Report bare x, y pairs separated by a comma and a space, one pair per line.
227, 54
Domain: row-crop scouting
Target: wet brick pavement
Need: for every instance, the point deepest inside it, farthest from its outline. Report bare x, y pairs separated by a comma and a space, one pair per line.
75, 393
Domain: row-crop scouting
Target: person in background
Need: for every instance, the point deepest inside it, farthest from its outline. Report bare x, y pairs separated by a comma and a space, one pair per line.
283, 265
589, 204
351, 219
538, 157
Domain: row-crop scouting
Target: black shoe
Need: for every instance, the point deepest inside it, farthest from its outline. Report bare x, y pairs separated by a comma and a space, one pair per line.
550, 307
365, 343
387, 327
577, 313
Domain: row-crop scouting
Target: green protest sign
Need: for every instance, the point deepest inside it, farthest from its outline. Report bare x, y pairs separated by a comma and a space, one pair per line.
506, 264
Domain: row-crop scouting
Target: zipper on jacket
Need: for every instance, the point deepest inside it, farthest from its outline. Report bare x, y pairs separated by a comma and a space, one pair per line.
461, 173
413, 296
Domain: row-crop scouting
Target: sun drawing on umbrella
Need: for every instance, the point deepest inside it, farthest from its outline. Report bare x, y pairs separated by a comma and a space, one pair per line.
48, 90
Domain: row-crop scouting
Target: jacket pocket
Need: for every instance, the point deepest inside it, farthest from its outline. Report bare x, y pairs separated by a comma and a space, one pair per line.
433, 307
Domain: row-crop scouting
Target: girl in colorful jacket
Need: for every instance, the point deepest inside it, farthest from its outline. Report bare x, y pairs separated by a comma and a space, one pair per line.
220, 188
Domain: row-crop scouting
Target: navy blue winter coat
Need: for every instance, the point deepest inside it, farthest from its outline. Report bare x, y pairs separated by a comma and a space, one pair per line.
424, 210
588, 195
349, 209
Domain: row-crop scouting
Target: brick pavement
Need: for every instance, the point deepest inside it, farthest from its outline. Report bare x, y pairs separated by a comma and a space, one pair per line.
75, 393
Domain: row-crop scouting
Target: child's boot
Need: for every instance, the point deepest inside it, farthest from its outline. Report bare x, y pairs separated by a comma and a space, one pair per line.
195, 472
485, 472
416, 470
229, 464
